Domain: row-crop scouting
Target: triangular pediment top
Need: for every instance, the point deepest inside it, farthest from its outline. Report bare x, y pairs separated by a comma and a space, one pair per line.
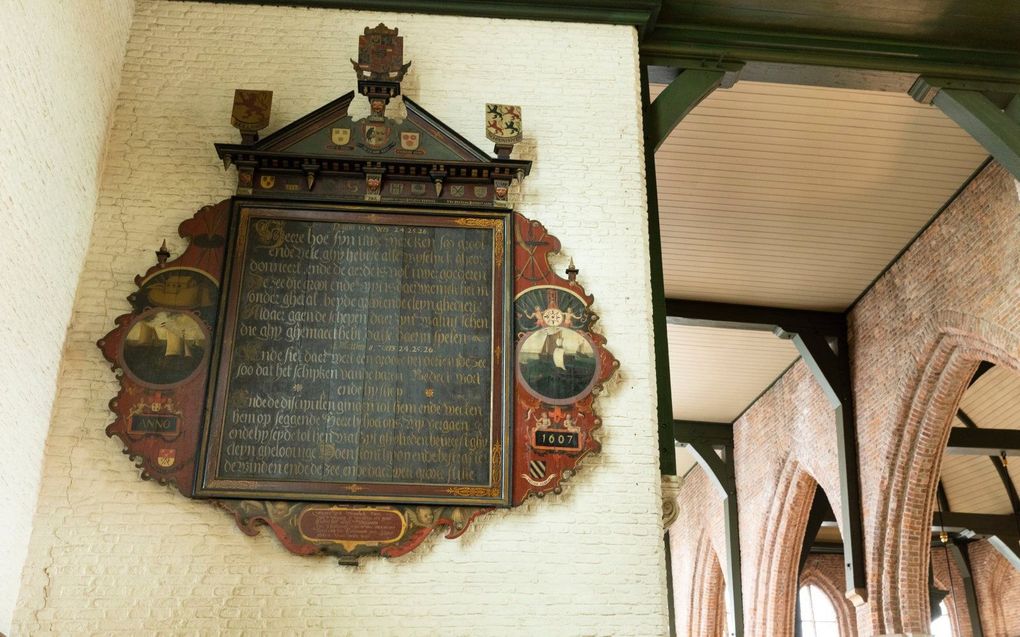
443, 132
330, 131
301, 127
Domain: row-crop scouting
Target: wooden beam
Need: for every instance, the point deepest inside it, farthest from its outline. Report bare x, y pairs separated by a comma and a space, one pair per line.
752, 317
983, 524
831, 368
697, 431
968, 104
1000, 466
706, 440
983, 442
677, 100
671, 41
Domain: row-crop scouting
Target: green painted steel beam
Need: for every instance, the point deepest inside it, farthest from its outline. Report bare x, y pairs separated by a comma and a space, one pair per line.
638, 13
831, 368
663, 387
998, 132
670, 42
722, 472
676, 101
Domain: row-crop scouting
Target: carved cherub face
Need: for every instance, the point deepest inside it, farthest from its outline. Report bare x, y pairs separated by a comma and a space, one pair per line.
552, 317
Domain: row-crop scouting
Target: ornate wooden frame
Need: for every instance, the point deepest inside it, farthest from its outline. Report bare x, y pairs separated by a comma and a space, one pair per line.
160, 412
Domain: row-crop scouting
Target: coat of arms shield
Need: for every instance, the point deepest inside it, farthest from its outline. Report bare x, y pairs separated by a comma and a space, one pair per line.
503, 123
377, 135
341, 136
166, 457
410, 140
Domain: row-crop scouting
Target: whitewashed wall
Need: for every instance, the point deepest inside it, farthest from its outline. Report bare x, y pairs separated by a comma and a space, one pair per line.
111, 554
59, 69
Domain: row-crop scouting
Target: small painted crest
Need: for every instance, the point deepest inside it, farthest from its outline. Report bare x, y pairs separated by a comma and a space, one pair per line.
418, 189
410, 140
481, 191
377, 135
167, 457
457, 191
251, 110
341, 136
267, 181
503, 124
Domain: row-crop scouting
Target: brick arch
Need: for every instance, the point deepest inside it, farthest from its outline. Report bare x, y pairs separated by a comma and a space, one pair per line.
993, 612
707, 616
899, 550
950, 602
775, 588
833, 589
947, 578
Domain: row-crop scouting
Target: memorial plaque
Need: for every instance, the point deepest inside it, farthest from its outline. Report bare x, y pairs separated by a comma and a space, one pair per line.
362, 357
366, 345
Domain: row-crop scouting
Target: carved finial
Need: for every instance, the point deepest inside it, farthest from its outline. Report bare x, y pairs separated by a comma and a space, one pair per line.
380, 66
572, 271
251, 113
503, 125
162, 254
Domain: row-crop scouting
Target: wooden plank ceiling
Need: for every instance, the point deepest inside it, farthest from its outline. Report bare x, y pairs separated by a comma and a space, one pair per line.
798, 196
789, 196
971, 483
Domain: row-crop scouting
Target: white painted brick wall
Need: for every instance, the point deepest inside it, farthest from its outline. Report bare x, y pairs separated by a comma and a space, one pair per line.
113, 555
59, 68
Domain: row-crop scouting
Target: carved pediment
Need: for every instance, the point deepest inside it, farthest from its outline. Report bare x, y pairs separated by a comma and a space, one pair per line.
327, 153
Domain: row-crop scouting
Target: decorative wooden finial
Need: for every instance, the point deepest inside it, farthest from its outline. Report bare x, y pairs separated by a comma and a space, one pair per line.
162, 254
380, 66
251, 113
572, 271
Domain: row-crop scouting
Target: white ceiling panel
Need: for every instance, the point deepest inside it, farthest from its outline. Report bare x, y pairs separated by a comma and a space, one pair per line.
716, 373
799, 196
992, 402
973, 486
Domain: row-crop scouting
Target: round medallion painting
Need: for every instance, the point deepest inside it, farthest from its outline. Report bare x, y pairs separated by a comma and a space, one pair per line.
180, 289
557, 364
164, 347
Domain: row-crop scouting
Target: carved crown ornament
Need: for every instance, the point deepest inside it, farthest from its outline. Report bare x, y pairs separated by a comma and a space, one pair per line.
366, 344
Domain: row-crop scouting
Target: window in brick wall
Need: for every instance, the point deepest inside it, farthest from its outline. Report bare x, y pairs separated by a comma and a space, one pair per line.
942, 627
817, 614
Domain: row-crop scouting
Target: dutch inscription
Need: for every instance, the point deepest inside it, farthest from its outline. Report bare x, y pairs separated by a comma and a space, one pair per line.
362, 353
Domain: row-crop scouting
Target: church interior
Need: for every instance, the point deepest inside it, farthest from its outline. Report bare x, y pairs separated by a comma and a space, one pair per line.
799, 221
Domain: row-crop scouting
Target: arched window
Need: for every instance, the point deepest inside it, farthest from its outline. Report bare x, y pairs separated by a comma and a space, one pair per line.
817, 614
942, 627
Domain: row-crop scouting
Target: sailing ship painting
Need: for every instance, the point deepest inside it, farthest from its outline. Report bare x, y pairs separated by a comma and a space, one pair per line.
180, 289
557, 364
164, 347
